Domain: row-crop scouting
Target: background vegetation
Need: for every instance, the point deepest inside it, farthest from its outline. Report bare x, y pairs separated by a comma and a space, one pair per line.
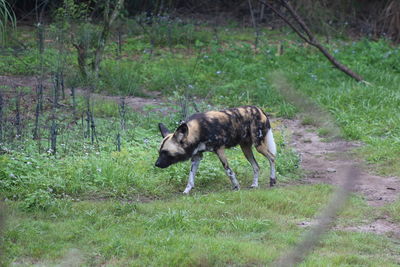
76, 168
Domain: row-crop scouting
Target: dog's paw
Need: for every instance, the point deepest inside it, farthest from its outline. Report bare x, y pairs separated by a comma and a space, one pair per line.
272, 182
236, 187
254, 186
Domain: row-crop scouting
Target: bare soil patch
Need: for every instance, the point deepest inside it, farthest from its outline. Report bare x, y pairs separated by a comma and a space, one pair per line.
140, 104
381, 226
19, 81
327, 162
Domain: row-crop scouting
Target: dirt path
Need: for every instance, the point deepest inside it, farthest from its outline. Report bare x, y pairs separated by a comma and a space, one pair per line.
327, 162
141, 104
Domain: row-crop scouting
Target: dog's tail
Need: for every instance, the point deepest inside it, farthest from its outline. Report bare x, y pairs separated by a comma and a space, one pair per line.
270, 140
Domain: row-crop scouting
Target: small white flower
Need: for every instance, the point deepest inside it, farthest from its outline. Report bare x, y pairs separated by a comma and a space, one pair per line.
98, 169
218, 72
12, 175
29, 163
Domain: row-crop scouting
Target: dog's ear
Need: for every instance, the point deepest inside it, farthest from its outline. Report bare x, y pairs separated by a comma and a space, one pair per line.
163, 130
181, 132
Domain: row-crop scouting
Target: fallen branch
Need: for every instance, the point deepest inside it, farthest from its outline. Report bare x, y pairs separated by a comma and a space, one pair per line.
305, 34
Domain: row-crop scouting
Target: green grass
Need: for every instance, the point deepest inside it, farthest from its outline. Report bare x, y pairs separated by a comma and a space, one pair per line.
91, 170
366, 113
238, 76
240, 228
84, 201
354, 249
393, 210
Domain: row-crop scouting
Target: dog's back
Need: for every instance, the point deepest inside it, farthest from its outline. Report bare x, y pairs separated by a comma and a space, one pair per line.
230, 127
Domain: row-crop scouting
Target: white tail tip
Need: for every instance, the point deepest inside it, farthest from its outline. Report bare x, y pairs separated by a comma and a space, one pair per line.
271, 142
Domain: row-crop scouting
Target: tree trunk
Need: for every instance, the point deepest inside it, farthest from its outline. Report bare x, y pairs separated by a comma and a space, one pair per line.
108, 21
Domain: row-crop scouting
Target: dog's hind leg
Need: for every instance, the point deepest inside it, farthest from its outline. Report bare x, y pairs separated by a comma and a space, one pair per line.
250, 157
271, 158
221, 155
268, 149
195, 165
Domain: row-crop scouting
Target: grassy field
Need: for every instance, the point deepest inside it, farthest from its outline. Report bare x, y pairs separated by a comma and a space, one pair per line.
240, 228
91, 205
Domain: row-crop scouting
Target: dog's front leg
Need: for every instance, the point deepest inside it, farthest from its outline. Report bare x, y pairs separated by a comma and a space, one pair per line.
195, 164
232, 176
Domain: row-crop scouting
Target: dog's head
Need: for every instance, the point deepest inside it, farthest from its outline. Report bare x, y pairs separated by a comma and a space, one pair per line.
172, 148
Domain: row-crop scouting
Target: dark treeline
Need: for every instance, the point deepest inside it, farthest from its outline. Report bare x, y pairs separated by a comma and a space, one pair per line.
375, 18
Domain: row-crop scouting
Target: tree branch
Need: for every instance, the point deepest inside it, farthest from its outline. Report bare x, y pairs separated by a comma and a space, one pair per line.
285, 20
298, 19
310, 38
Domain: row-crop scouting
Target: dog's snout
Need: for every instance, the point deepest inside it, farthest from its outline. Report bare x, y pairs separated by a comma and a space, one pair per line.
157, 164
160, 163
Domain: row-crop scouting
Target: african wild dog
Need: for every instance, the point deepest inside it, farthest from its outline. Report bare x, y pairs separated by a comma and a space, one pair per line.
215, 131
